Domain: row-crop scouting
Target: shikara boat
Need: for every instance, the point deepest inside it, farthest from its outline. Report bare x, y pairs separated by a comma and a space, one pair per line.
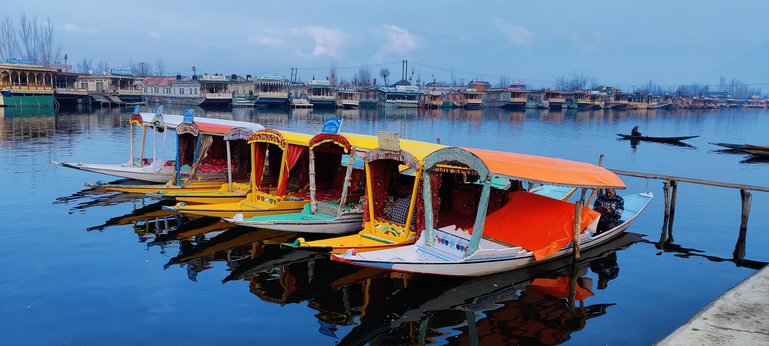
137, 168
334, 206
672, 139
279, 174
203, 155
392, 209
503, 230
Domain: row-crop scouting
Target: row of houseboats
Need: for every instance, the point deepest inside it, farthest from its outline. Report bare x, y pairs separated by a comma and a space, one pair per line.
376, 201
28, 85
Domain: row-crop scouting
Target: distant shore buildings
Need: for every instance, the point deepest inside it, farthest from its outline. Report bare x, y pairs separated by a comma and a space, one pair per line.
25, 85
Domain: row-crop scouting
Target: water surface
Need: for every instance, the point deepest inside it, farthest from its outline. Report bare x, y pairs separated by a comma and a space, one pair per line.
64, 284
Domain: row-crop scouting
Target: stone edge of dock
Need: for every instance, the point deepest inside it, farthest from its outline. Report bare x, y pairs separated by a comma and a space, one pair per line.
740, 316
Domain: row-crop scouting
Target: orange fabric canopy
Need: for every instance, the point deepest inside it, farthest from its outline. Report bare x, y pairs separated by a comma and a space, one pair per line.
536, 223
210, 128
547, 170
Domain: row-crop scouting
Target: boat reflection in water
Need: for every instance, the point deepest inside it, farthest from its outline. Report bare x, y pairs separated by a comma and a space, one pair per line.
528, 306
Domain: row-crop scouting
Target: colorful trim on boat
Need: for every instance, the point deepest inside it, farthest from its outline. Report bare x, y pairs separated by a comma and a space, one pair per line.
330, 138
268, 136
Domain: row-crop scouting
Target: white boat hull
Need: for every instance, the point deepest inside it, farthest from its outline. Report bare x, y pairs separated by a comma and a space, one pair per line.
144, 173
421, 258
346, 223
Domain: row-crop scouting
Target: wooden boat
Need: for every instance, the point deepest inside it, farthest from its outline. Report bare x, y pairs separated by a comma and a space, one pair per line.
384, 182
477, 243
656, 139
203, 157
731, 145
757, 150
277, 157
382, 231
328, 211
144, 169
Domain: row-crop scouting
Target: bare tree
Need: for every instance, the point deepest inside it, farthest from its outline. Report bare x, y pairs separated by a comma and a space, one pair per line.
102, 67
504, 81
160, 67
85, 65
364, 76
384, 72
48, 49
141, 69
9, 43
32, 40
332, 72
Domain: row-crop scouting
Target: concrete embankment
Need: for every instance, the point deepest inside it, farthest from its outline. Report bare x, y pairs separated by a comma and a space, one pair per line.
738, 317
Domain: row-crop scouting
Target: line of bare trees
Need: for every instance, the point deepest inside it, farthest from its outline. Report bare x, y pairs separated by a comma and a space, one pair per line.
29, 39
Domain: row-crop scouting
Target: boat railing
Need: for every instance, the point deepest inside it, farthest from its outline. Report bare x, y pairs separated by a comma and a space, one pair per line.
78, 91
220, 96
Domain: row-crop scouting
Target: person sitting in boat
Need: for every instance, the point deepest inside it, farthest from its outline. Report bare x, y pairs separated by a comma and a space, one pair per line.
634, 131
610, 205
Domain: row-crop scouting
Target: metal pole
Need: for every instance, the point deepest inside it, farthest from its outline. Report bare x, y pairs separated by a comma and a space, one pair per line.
229, 166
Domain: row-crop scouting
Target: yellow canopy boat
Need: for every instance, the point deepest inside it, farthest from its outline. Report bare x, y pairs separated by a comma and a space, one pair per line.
392, 213
279, 169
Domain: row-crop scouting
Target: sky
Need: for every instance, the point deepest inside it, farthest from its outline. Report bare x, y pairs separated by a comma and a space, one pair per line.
622, 43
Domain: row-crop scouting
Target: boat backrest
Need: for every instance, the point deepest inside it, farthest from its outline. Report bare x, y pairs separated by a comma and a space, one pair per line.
633, 205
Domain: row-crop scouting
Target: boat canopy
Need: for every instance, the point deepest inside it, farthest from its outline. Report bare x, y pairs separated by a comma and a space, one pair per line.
237, 133
547, 170
401, 156
536, 223
279, 138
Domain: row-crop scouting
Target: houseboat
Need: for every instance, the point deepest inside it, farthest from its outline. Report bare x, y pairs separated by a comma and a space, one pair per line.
24, 84
471, 98
369, 96
535, 101
554, 98
271, 91
171, 90
432, 99
518, 94
117, 86
320, 93
400, 96
215, 90
347, 98
496, 97
67, 89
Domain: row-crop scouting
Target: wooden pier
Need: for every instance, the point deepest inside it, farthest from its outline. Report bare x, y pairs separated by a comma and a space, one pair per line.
670, 191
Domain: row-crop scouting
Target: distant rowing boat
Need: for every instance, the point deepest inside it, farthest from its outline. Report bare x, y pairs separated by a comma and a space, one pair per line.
757, 150
656, 139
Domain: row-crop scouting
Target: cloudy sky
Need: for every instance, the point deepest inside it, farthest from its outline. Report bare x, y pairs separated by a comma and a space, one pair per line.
617, 42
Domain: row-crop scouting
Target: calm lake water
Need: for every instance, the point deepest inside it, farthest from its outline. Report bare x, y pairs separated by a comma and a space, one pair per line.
86, 269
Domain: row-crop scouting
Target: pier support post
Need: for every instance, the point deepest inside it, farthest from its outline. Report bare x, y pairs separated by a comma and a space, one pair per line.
666, 193
673, 194
739, 248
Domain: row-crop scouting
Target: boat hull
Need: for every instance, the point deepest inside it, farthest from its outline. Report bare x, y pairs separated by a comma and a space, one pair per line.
144, 173
153, 188
346, 223
420, 258
656, 139
229, 210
